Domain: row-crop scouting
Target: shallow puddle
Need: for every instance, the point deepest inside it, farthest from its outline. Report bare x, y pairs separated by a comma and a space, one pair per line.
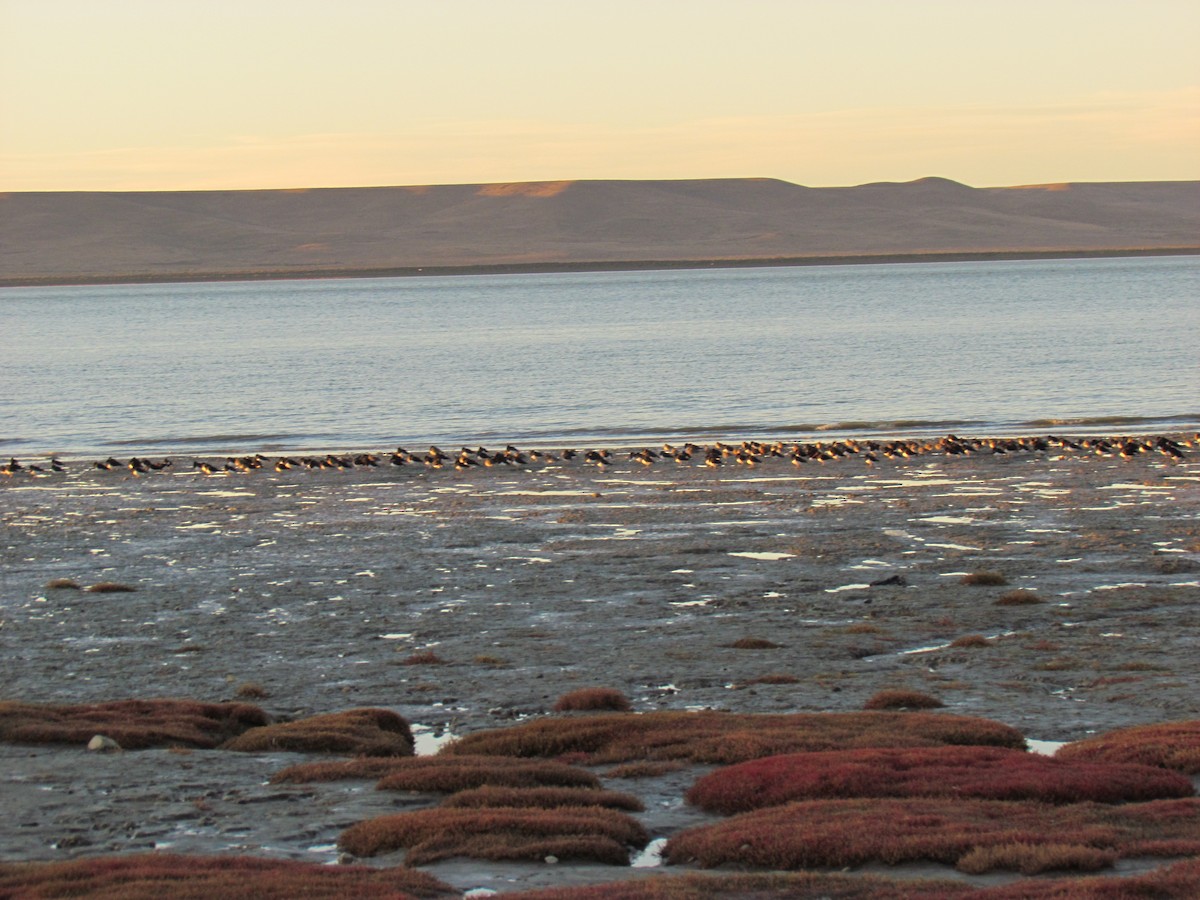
1044, 748
428, 740
651, 856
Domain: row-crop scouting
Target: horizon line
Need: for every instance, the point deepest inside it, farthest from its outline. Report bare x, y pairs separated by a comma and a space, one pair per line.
563, 183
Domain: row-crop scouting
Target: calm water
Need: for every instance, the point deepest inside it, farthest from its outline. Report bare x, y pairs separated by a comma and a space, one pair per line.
368, 363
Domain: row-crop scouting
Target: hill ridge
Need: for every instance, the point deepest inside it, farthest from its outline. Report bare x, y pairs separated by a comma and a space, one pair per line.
120, 235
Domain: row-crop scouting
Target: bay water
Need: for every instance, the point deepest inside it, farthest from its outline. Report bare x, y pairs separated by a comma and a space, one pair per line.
1066, 346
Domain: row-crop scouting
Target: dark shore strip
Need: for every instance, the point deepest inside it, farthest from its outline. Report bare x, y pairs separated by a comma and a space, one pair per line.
549, 267
714, 455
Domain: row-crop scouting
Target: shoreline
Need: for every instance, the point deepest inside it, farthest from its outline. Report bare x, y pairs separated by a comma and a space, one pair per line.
549, 267
1102, 429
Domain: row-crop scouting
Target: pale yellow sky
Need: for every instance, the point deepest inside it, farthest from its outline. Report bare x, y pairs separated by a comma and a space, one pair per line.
200, 94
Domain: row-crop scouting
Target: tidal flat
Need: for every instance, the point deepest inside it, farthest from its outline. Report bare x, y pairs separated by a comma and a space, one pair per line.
471, 600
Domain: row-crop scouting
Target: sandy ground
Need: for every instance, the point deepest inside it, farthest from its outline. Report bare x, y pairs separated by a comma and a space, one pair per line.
529, 582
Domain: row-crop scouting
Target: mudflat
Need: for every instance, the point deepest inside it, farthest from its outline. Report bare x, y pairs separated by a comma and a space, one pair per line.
467, 600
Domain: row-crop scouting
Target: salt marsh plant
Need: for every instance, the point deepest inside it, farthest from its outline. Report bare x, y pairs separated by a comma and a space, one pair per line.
753, 643
587, 833
1044, 646
543, 798
362, 768
763, 885
1141, 665
1181, 879
423, 658
1059, 664
902, 699
970, 641
134, 724
443, 774
1171, 745
711, 737
985, 578
863, 628
146, 876
593, 699
1018, 597
448, 774
984, 773
645, 769
840, 833
1033, 859
363, 732
251, 690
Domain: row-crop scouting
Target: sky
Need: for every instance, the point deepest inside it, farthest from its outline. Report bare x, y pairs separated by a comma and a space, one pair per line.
241, 94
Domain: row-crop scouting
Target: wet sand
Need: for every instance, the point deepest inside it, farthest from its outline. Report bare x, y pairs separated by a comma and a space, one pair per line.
530, 581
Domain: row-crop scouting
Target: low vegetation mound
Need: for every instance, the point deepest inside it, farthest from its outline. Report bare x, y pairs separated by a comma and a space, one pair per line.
1171, 745
986, 773
154, 876
593, 699
133, 724
753, 643
975, 835
443, 774
582, 833
423, 658
1018, 597
970, 641
710, 737
449, 775
363, 768
985, 578
902, 699
543, 798
364, 732
1181, 879
759, 886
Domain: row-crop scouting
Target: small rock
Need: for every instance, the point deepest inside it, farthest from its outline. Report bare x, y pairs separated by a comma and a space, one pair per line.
346, 859
103, 744
551, 860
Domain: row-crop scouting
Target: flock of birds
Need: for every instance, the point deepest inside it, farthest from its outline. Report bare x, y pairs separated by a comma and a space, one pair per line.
746, 453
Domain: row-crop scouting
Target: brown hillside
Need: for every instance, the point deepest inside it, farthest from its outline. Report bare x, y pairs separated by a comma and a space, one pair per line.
73, 235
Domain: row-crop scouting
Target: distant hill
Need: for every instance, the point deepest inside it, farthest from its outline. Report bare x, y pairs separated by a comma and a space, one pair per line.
72, 236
